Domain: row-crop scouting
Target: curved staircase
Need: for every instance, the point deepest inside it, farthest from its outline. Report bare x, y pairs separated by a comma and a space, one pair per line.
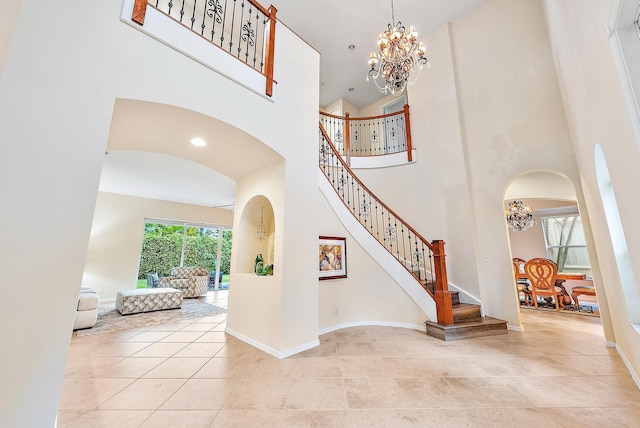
417, 265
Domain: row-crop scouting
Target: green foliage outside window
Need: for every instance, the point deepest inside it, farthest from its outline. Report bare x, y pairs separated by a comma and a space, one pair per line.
162, 247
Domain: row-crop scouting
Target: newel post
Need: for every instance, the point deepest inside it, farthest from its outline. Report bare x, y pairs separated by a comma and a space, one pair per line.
442, 294
347, 138
268, 61
407, 124
139, 11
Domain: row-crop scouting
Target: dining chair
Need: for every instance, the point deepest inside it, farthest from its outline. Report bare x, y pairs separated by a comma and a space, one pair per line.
542, 275
522, 284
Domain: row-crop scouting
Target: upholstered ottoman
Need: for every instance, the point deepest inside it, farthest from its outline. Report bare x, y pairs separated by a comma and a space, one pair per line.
147, 300
87, 309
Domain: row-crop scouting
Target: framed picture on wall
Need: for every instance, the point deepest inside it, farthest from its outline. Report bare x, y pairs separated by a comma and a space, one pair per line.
332, 257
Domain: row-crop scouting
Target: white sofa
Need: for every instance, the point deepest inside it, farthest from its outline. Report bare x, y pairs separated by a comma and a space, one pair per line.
87, 309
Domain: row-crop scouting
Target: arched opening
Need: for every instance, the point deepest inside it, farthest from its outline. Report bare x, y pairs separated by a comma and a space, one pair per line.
257, 217
557, 234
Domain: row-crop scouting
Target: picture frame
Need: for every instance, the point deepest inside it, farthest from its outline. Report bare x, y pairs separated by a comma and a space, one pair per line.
332, 257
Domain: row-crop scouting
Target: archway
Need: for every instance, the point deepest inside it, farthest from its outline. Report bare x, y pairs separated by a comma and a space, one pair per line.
556, 235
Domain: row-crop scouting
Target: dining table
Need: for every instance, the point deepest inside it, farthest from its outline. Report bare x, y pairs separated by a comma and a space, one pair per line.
561, 277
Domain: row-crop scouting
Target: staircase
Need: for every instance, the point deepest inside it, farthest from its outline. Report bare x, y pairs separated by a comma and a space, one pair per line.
423, 261
468, 321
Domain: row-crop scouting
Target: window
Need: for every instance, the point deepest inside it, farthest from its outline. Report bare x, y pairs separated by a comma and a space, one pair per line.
167, 244
564, 238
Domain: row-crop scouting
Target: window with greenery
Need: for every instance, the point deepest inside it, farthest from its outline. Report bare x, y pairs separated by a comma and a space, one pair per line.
564, 238
170, 244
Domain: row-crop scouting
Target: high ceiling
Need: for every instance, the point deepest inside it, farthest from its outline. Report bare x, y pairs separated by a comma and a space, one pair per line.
331, 26
149, 151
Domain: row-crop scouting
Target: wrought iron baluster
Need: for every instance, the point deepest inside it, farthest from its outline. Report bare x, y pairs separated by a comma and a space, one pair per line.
224, 22
255, 47
264, 25
182, 11
170, 6
193, 13
233, 24
242, 28
404, 249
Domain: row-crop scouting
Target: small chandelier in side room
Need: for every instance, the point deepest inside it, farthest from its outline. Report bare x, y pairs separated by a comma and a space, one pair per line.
262, 231
399, 55
520, 216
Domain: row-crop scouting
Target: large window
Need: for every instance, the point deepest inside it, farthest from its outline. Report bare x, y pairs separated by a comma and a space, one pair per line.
167, 244
565, 243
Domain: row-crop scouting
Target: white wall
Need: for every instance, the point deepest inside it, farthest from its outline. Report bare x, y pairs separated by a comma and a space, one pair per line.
368, 295
512, 121
598, 113
113, 255
436, 201
56, 100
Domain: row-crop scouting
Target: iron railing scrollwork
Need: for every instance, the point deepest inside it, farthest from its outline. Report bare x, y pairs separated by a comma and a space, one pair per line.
243, 28
423, 259
369, 136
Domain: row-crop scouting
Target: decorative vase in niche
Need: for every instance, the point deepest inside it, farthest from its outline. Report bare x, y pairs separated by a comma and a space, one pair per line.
259, 265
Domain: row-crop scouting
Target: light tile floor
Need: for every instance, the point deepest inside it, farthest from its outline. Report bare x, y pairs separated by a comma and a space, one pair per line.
558, 373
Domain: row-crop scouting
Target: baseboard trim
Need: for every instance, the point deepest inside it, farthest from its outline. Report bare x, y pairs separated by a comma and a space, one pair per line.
634, 376
269, 350
515, 328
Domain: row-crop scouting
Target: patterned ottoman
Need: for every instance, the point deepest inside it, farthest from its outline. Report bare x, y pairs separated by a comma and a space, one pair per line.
147, 300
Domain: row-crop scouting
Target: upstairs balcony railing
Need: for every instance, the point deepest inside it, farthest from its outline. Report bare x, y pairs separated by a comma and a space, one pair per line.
369, 136
243, 28
423, 259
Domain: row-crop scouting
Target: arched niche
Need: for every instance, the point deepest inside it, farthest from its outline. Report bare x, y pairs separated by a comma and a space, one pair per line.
257, 210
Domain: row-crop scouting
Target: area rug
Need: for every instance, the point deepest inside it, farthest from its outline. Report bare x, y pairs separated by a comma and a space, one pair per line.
589, 309
109, 319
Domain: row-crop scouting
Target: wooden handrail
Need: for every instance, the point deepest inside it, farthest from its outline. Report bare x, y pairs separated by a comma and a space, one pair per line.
139, 12
415, 232
441, 294
380, 122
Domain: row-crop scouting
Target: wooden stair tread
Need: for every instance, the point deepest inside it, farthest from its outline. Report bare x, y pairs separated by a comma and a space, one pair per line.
477, 327
478, 321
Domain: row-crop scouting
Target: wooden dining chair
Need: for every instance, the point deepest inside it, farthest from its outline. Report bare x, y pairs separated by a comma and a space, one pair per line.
522, 284
542, 276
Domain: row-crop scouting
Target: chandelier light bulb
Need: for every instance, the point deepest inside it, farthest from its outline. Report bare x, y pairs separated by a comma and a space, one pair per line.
373, 59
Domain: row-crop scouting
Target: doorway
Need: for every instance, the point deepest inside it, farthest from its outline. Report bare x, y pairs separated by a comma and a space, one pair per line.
556, 234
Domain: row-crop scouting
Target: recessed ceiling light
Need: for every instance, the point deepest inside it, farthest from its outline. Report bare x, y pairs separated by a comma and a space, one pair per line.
199, 142
351, 47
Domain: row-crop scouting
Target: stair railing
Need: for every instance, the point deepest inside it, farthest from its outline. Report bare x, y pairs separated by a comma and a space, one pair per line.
369, 136
423, 259
243, 28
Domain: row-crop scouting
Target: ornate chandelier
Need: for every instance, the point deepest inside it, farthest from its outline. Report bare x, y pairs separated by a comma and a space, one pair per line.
520, 216
399, 55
